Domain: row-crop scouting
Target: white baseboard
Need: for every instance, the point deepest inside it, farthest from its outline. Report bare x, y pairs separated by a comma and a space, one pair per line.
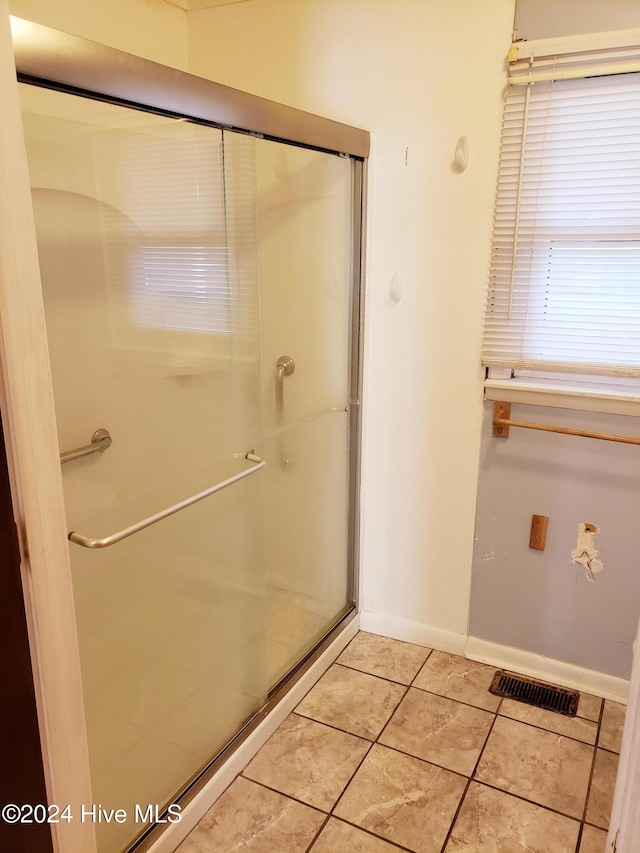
192, 813
548, 669
494, 654
412, 632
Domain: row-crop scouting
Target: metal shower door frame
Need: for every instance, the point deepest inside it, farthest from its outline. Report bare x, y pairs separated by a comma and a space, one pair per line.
51, 59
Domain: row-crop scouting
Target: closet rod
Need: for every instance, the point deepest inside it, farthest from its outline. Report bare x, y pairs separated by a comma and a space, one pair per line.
502, 422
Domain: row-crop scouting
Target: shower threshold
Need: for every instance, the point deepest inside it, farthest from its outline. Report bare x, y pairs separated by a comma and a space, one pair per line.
152, 839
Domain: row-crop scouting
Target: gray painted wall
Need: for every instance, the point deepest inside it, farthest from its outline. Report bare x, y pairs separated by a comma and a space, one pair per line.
547, 18
537, 600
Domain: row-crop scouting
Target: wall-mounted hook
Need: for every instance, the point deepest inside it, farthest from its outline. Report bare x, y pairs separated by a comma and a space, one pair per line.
461, 156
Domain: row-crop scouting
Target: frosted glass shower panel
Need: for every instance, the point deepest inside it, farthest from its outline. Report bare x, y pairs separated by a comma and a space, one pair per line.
148, 258
305, 216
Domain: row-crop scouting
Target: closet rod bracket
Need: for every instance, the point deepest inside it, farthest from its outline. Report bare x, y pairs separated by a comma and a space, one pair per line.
501, 411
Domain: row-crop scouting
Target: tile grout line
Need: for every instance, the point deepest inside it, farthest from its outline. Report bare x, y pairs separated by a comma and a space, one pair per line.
451, 699
350, 779
338, 662
593, 767
345, 786
391, 716
495, 713
418, 758
423, 760
470, 779
525, 800
588, 794
551, 731
610, 751
331, 726
372, 744
317, 835
396, 845
330, 814
363, 672
421, 668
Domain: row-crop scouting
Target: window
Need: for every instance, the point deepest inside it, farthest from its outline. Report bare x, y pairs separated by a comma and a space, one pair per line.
186, 287
179, 227
564, 291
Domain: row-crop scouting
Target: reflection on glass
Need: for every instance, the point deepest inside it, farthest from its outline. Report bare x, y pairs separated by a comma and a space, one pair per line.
165, 329
148, 260
304, 234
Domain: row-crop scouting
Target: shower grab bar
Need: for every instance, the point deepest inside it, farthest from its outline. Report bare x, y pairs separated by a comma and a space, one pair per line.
100, 440
285, 366
107, 541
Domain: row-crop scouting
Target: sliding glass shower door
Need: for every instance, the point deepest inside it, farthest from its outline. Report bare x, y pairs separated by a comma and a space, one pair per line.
304, 216
154, 335
197, 290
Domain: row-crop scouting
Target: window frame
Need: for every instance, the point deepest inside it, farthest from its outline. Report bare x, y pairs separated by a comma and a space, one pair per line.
547, 60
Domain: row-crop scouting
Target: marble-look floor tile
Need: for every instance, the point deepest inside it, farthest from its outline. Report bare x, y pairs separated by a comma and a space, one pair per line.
339, 837
382, 656
457, 678
593, 840
402, 799
352, 701
491, 821
308, 761
575, 727
439, 730
253, 819
602, 786
541, 766
589, 707
612, 725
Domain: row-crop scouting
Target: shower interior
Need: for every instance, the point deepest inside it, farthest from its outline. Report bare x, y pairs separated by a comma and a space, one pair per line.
179, 263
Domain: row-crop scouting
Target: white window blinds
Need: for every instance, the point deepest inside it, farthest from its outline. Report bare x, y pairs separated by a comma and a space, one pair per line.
180, 231
564, 291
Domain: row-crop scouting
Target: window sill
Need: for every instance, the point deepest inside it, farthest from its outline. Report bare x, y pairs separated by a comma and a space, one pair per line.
584, 398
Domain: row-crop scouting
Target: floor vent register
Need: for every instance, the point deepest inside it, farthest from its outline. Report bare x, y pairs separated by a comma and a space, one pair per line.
535, 693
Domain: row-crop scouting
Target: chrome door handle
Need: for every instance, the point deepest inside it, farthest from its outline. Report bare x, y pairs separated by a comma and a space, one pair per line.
105, 542
285, 366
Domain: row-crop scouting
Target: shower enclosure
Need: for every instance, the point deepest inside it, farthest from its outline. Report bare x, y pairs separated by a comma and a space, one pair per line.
199, 253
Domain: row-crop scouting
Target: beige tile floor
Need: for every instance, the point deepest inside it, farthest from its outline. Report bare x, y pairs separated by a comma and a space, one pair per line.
399, 747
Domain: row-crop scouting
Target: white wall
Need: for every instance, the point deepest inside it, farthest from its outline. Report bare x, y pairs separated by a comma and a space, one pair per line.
418, 75
152, 29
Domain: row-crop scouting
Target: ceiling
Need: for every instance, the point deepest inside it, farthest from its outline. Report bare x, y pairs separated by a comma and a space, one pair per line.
190, 5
